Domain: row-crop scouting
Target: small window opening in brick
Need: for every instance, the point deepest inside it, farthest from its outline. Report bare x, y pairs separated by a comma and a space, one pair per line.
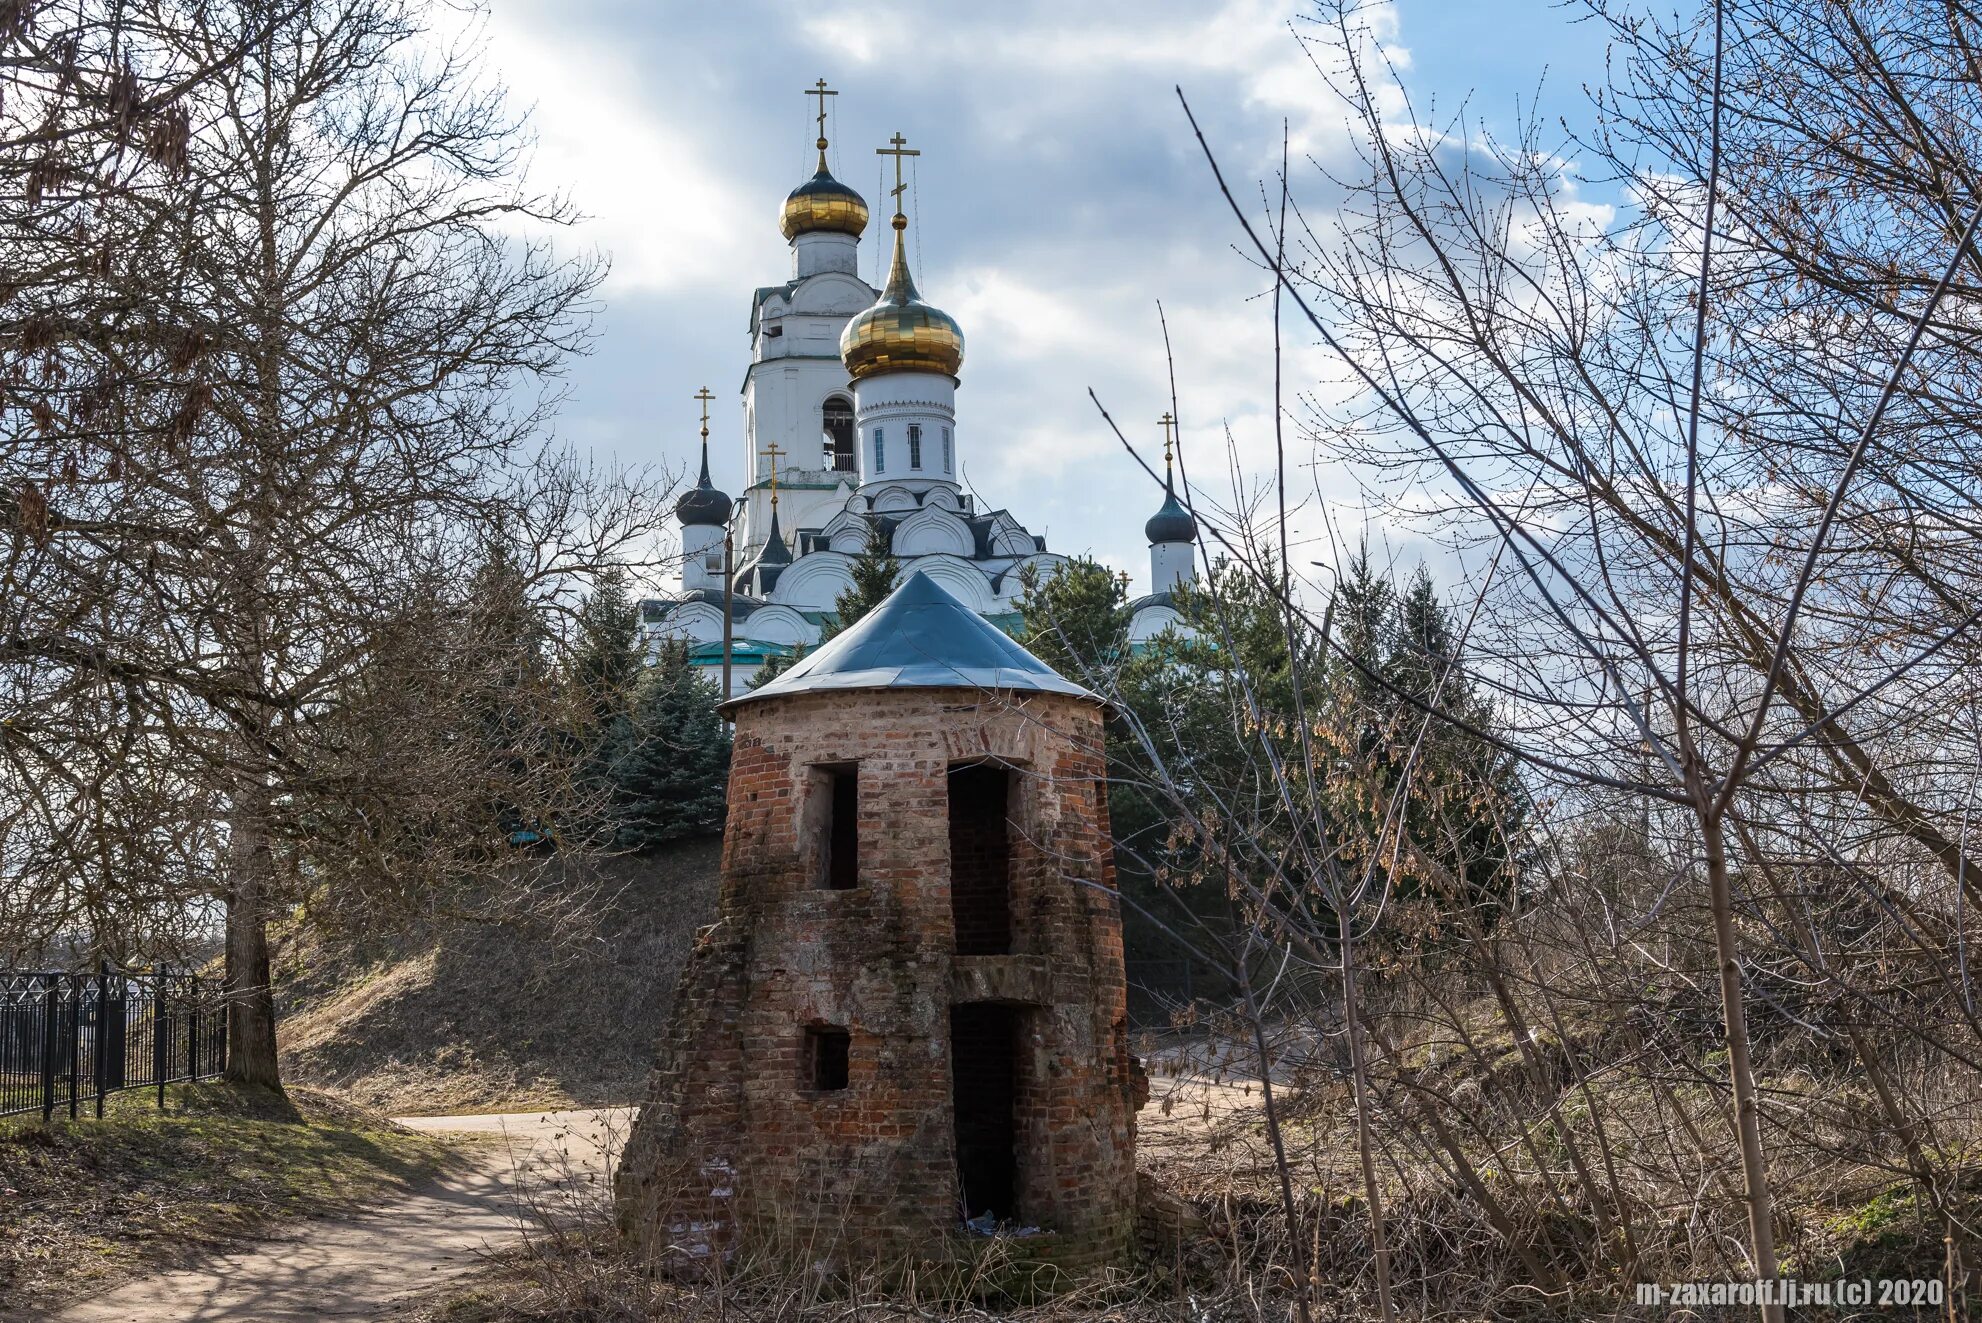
981, 859
984, 1095
836, 820
826, 1054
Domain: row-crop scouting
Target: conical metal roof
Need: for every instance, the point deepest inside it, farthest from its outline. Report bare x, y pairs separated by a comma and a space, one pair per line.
920, 637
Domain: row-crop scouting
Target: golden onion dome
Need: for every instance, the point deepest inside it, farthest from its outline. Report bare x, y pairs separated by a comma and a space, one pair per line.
823, 203
901, 333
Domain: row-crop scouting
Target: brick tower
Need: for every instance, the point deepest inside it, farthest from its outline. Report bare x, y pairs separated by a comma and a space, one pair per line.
907, 1025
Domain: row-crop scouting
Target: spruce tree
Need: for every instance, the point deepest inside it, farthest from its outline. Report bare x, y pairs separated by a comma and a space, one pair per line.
777, 666
512, 680
670, 767
604, 668
606, 659
875, 570
1076, 620
1467, 808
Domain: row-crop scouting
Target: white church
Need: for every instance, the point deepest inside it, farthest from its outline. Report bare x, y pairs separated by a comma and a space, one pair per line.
850, 424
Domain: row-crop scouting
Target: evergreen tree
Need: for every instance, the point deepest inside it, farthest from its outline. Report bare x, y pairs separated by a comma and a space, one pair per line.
604, 667
1076, 620
875, 570
777, 666
1456, 842
512, 678
606, 659
670, 761
1467, 808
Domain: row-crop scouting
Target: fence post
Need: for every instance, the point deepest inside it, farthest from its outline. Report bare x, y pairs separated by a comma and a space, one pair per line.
100, 1041
75, 1043
161, 1031
49, 1016
192, 1026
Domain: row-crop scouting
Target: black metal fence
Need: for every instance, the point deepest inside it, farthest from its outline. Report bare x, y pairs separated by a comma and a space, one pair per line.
67, 1040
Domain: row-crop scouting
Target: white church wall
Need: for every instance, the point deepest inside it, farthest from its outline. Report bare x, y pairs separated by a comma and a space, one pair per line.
777, 624
907, 423
701, 556
930, 532
847, 533
698, 622
962, 578
1012, 541
814, 581
1010, 586
1147, 623
1170, 563
825, 250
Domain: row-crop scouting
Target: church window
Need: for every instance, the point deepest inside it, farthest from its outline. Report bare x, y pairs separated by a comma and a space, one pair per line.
880, 451
836, 420
914, 446
948, 463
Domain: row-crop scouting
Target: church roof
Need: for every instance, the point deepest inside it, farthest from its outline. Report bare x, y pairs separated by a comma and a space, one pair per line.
919, 637
901, 333
703, 504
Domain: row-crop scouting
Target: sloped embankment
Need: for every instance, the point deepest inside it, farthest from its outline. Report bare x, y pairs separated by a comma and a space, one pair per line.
466, 1017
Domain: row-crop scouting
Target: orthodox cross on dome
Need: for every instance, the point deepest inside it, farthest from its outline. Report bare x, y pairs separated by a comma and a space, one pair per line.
773, 451
898, 149
821, 91
1166, 422
705, 395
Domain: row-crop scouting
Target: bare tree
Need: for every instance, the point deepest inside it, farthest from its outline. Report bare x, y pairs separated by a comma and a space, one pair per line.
277, 578
1704, 446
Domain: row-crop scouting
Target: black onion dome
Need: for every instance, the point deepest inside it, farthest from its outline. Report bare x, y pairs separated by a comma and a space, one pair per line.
702, 505
1172, 523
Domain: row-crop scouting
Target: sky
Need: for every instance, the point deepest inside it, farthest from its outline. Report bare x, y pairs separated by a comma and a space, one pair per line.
1058, 198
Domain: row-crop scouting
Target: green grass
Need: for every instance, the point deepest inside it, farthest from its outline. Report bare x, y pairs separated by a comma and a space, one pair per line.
87, 1203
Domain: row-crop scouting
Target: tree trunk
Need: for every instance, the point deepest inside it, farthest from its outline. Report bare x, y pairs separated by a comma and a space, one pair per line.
250, 991
1748, 1121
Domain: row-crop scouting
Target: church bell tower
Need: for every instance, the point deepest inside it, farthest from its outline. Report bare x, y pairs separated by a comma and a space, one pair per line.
797, 395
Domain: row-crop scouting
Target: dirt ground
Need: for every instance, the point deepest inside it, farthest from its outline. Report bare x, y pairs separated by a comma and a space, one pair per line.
373, 1266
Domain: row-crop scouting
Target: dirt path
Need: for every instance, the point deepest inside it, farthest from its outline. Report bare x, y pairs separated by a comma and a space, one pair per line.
366, 1267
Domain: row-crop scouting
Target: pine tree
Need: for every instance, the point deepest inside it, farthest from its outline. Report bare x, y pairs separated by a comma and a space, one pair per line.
778, 665
670, 763
513, 676
605, 666
875, 570
1076, 620
606, 660
1468, 809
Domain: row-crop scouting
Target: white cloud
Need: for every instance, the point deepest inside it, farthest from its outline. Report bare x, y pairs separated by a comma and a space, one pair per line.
1061, 197
668, 215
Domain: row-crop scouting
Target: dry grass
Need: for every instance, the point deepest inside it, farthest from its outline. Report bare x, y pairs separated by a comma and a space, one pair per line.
88, 1203
463, 1017
1203, 1137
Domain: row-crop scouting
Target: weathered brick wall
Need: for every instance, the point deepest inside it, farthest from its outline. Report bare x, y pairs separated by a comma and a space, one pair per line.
732, 1142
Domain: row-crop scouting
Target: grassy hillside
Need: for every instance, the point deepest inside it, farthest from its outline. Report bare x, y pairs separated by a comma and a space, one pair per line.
460, 1017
